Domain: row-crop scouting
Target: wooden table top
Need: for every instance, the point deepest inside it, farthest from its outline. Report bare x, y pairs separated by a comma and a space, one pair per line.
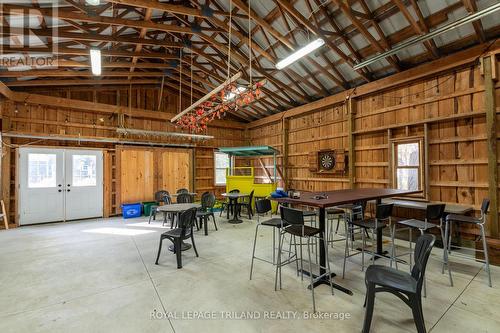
422, 205
178, 207
340, 197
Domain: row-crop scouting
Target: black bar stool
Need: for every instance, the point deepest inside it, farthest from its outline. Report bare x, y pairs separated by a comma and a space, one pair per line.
296, 228
263, 207
479, 222
433, 212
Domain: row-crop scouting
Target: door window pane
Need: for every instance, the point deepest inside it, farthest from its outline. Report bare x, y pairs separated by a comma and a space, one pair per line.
42, 170
84, 170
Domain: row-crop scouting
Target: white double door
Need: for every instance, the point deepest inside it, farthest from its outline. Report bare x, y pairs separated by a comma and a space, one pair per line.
59, 184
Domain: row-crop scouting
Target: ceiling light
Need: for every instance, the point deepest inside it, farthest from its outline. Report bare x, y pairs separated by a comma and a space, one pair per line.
233, 94
95, 60
300, 53
93, 2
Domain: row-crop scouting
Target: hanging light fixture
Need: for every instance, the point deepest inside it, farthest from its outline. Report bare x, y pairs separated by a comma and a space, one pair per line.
300, 53
95, 61
93, 2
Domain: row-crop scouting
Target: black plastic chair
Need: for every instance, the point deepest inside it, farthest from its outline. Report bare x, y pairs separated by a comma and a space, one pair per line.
479, 222
182, 190
263, 207
407, 287
177, 235
228, 204
247, 204
294, 219
165, 200
184, 198
158, 197
205, 212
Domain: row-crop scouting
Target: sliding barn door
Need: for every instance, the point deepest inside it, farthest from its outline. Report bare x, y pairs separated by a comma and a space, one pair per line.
175, 169
137, 175
143, 171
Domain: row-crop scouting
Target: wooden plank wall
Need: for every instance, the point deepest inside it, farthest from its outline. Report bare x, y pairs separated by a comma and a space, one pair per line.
447, 109
31, 118
141, 97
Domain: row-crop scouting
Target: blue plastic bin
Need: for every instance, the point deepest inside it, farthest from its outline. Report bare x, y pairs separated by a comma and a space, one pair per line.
131, 210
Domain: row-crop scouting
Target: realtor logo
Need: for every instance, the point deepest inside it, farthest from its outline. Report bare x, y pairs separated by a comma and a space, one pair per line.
28, 35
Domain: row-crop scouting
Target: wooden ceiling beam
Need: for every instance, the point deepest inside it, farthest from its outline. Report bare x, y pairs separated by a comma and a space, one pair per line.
266, 27
171, 8
65, 14
303, 21
85, 52
471, 7
364, 31
431, 46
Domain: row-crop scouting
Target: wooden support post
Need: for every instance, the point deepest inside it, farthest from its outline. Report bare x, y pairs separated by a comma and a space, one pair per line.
491, 135
427, 181
351, 111
284, 152
6, 167
107, 183
390, 159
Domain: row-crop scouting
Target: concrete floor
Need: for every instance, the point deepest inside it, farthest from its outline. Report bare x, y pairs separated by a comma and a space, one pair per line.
99, 276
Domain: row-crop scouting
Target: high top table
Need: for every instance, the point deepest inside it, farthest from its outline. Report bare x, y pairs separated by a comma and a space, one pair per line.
233, 198
336, 198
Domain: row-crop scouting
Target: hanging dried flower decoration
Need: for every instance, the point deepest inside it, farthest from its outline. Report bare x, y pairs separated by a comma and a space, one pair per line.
230, 99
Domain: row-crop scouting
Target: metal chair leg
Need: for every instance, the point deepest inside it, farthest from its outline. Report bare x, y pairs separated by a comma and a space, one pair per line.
301, 261
310, 270
278, 265
486, 258
445, 256
346, 250
296, 261
253, 251
363, 251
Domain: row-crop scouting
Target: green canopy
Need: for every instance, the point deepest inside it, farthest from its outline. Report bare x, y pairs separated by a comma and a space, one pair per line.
249, 151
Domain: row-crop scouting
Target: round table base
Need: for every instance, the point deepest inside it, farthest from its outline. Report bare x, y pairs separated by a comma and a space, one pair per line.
235, 221
184, 247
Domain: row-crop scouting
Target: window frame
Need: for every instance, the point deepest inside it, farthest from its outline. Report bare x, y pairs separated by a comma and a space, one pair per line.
421, 165
215, 167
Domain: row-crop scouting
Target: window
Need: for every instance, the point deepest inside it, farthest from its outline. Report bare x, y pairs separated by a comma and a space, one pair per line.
221, 163
408, 171
84, 170
41, 170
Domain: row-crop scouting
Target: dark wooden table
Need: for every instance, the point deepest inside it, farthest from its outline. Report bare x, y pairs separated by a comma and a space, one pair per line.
336, 198
233, 198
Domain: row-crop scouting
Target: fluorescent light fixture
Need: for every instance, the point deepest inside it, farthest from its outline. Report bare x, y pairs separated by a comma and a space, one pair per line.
232, 95
95, 61
93, 2
300, 53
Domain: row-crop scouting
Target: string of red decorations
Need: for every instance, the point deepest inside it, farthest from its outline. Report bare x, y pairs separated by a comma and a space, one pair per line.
230, 99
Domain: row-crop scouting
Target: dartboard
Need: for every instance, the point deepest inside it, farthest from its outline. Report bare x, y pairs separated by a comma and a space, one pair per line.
327, 161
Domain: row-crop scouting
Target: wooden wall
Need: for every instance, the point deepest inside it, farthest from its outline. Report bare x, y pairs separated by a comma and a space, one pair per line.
447, 109
69, 118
